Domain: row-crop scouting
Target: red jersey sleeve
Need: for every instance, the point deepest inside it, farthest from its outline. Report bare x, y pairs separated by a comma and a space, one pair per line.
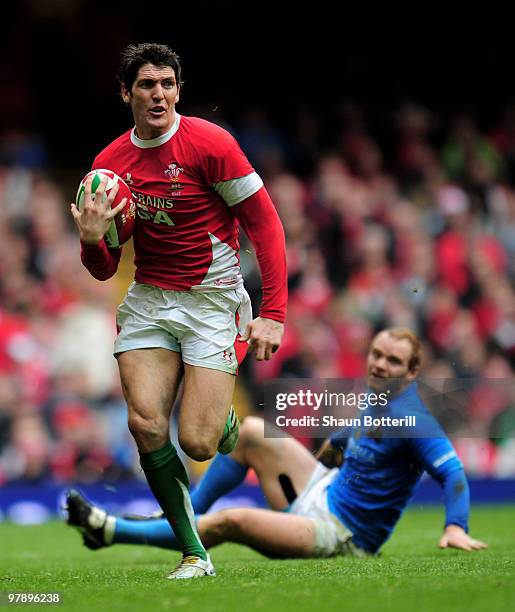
259, 219
100, 261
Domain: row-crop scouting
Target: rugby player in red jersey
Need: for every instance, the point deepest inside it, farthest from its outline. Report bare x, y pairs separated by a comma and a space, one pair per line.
187, 315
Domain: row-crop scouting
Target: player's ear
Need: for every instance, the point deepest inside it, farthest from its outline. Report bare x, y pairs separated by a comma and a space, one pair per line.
178, 94
413, 373
125, 94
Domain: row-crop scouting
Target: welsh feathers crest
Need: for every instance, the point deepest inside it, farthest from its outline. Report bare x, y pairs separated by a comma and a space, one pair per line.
173, 172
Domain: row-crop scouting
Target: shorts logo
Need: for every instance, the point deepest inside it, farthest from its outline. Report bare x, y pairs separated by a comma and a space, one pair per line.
227, 355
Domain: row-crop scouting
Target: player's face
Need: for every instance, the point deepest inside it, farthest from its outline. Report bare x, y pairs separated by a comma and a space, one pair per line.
152, 97
388, 364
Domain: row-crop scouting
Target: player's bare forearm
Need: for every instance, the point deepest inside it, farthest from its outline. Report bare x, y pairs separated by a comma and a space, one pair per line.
264, 337
456, 537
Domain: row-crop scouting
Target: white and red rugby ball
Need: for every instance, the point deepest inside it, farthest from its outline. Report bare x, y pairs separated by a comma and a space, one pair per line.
122, 226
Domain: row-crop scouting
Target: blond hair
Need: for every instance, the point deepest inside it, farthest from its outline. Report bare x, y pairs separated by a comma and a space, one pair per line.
404, 333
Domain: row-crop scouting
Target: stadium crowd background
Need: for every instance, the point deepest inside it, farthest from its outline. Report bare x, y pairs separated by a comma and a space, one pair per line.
413, 225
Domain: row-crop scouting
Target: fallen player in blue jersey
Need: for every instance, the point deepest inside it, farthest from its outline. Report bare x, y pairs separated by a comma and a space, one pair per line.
347, 500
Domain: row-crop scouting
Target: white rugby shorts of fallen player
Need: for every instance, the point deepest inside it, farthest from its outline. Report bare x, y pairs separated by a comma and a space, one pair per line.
204, 326
332, 537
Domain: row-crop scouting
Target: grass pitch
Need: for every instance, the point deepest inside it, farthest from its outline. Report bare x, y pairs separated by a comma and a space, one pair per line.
410, 574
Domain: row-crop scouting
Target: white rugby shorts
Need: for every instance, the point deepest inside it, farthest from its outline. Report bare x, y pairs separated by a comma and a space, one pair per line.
201, 325
332, 537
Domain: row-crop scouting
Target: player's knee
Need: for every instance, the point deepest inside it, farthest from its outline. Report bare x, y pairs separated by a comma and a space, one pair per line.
227, 523
147, 430
252, 431
199, 449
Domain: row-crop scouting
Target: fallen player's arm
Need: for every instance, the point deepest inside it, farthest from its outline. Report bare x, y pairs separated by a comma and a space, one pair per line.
457, 509
440, 460
329, 455
331, 452
456, 537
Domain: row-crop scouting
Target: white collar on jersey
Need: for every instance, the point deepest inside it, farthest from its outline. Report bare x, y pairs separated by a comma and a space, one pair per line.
156, 142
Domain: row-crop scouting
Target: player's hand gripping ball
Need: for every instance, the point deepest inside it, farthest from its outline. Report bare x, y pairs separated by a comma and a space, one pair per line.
122, 226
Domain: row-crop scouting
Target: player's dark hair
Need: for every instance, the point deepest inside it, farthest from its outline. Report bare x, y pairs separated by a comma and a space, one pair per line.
135, 56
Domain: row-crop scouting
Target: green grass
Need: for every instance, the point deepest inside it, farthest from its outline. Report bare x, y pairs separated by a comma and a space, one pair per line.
411, 573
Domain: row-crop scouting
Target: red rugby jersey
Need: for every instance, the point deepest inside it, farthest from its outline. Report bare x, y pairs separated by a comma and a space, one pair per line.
187, 184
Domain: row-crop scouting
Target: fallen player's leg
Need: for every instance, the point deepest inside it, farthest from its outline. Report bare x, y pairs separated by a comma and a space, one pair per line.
95, 525
276, 461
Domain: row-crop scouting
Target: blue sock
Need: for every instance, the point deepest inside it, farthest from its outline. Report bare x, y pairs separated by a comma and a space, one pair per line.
154, 532
223, 475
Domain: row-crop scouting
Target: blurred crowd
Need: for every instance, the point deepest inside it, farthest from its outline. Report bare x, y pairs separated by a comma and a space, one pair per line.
417, 231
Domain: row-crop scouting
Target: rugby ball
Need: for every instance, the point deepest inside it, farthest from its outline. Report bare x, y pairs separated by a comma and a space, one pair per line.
122, 226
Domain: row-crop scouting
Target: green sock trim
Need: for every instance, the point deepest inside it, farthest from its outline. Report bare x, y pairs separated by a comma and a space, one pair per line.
227, 426
228, 423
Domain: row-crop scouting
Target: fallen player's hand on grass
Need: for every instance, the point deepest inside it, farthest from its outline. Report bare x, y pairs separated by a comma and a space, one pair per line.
456, 537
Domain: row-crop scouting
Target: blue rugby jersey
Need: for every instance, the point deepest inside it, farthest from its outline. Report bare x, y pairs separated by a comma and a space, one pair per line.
380, 475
